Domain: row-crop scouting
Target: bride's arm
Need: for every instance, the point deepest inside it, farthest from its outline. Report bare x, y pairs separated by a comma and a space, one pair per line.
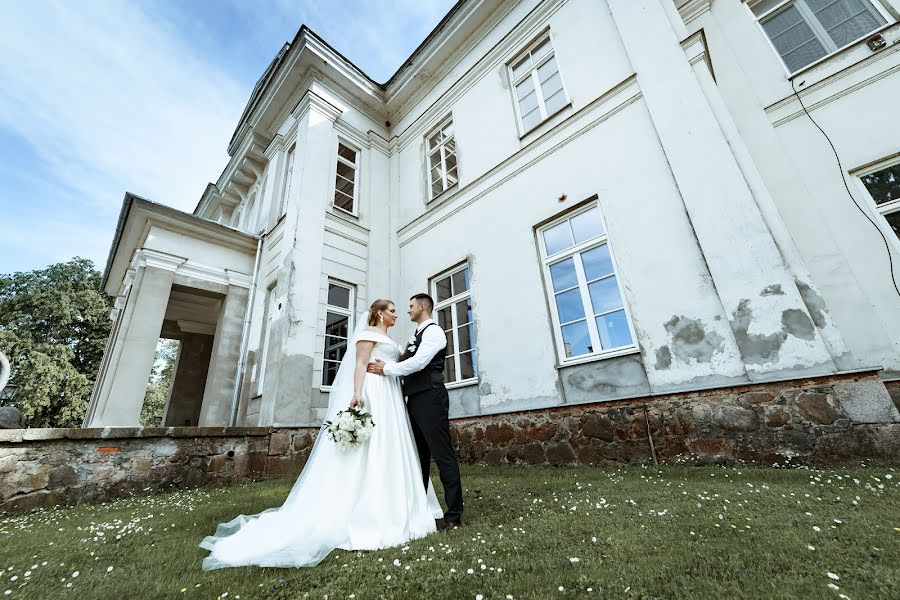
363, 353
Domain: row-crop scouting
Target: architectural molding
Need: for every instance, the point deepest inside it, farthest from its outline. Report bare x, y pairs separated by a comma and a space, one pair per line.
605, 106
312, 100
788, 109
691, 10
146, 257
499, 55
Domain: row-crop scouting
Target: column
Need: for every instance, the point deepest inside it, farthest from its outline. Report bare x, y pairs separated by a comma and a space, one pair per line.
186, 395
119, 392
770, 322
299, 280
220, 380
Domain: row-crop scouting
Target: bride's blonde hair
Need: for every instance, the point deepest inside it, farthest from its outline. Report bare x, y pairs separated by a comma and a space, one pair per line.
375, 309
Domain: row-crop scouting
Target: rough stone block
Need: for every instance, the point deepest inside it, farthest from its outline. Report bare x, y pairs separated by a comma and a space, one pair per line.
814, 406
599, 427
866, 401
62, 476
279, 442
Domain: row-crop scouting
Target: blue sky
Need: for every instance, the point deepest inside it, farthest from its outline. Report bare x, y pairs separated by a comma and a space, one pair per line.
105, 96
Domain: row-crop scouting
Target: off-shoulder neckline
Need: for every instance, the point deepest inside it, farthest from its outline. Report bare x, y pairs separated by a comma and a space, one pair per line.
377, 333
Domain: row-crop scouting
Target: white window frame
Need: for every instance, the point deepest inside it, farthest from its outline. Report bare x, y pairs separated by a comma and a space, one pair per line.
881, 209
816, 26
575, 251
356, 166
288, 184
268, 314
454, 321
348, 312
441, 147
533, 73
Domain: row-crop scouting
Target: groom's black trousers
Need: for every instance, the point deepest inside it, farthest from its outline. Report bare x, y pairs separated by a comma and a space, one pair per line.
429, 416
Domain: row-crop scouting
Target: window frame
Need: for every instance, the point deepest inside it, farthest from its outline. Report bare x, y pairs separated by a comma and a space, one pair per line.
881, 210
348, 312
440, 148
454, 322
535, 79
821, 35
288, 184
356, 166
548, 260
265, 336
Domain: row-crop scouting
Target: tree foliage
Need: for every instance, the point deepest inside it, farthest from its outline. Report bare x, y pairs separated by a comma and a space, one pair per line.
160, 381
54, 325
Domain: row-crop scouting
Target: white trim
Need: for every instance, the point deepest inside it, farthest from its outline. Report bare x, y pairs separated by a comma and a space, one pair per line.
343, 141
451, 303
817, 30
880, 210
590, 317
536, 83
331, 308
441, 148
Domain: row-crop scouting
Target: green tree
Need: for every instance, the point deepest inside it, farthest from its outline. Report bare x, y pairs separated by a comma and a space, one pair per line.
160, 380
54, 324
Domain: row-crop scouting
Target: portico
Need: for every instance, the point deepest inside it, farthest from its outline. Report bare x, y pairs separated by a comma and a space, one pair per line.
177, 276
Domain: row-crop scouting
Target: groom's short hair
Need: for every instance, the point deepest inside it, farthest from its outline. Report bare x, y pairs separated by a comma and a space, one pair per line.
425, 299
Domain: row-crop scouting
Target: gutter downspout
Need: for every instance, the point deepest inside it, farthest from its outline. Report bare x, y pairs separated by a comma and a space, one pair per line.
245, 335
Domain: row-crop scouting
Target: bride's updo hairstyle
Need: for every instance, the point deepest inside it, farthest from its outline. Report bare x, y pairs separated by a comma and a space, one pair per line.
375, 310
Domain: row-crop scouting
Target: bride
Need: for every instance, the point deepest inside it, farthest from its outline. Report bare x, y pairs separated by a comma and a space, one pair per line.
364, 498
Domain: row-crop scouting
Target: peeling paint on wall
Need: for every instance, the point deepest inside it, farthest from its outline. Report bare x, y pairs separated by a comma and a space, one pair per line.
773, 290
691, 340
755, 348
815, 304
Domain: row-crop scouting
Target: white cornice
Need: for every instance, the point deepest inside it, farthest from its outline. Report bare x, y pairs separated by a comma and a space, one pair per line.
691, 10
146, 257
312, 100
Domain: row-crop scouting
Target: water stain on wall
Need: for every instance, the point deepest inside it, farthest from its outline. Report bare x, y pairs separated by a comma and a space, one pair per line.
690, 340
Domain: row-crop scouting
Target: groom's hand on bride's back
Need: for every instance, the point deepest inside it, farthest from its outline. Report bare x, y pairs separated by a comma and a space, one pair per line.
376, 367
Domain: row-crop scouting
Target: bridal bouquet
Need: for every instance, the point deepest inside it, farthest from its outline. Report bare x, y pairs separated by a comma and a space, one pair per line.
350, 428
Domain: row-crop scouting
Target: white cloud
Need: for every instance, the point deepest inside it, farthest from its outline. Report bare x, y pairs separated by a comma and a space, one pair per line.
111, 99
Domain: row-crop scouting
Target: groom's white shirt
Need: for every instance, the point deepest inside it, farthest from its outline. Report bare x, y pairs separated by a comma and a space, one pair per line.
433, 340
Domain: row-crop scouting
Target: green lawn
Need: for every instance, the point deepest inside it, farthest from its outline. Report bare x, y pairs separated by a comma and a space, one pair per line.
629, 532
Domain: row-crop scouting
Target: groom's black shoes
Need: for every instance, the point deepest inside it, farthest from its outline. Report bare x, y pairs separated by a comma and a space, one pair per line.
449, 525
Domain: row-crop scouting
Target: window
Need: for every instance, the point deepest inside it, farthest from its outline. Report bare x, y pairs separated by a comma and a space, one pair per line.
345, 178
883, 186
538, 87
441, 151
236, 217
288, 181
589, 315
453, 305
803, 31
263, 352
337, 328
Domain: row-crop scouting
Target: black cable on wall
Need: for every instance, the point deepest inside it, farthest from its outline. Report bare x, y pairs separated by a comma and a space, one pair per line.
837, 157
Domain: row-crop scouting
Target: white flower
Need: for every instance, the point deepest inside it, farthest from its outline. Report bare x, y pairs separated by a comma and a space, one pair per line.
109, 569
810, 547
834, 587
574, 559
412, 348
832, 576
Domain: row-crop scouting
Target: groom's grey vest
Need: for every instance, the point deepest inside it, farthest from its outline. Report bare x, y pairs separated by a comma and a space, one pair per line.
431, 376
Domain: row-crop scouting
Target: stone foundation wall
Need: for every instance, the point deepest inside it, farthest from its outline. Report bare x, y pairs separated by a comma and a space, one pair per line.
47, 467
826, 420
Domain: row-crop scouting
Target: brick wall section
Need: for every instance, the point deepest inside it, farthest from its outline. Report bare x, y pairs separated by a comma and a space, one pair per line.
47, 467
800, 420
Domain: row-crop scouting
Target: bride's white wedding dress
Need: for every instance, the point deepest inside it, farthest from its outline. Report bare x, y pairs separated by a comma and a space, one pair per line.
364, 498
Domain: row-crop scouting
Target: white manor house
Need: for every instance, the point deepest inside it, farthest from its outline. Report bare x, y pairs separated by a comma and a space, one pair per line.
608, 199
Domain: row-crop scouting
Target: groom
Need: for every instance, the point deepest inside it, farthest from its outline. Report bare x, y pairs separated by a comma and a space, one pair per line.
422, 369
